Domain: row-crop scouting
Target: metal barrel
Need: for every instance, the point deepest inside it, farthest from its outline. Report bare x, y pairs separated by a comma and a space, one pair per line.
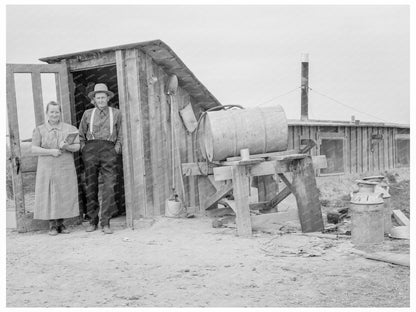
224, 133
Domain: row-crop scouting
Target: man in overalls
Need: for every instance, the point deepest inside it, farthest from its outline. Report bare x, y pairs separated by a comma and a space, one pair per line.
100, 139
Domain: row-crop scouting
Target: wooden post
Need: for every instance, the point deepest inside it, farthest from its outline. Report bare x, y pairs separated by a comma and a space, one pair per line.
304, 86
307, 196
241, 185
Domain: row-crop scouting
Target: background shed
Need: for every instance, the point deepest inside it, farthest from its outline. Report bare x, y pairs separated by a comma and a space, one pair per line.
354, 147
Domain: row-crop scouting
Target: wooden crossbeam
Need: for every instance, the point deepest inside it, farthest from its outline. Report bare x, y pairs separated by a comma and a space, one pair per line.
215, 198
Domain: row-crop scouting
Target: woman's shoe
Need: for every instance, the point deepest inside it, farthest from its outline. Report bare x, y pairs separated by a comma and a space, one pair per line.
63, 230
53, 231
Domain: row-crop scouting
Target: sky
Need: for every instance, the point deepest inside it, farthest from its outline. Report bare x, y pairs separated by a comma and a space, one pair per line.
359, 56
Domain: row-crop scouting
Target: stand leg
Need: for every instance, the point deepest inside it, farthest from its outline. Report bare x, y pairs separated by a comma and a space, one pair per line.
241, 185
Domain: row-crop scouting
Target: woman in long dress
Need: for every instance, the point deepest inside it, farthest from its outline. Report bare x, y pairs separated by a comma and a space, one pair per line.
56, 191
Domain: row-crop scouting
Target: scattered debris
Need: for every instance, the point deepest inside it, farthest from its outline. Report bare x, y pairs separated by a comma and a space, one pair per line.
400, 259
400, 232
400, 217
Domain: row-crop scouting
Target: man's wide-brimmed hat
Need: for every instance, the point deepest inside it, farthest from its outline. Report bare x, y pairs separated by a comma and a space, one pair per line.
100, 88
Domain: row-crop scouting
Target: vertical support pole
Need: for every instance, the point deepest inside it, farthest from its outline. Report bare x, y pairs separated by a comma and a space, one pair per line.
304, 86
241, 185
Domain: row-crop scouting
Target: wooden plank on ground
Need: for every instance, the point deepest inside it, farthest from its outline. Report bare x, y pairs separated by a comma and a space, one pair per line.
400, 259
241, 187
307, 196
400, 217
273, 221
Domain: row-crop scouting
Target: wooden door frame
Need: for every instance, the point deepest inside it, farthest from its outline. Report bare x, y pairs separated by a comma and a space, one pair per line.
62, 93
344, 152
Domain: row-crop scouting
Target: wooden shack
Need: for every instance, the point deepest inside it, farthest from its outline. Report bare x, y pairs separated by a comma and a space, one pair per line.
354, 147
137, 74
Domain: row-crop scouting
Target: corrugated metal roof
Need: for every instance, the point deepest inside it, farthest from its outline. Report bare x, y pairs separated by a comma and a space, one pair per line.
296, 122
163, 56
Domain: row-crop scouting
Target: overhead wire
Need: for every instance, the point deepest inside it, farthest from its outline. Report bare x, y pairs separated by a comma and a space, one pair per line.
343, 104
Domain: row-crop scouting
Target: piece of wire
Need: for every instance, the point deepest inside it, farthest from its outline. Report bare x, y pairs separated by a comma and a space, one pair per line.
279, 96
350, 107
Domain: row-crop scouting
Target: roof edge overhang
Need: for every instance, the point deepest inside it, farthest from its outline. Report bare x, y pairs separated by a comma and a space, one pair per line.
187, 79
314, 122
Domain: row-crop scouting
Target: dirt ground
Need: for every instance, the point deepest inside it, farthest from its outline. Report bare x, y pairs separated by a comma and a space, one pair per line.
188, 263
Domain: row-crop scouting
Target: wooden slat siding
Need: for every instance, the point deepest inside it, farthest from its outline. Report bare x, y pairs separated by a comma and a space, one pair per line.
353, 150
161, 150
364, 146
37, 97
347, 143
391, 148
394, 145
68, 103
386, 148
125, 108
144, 105
15, 151
134, 107
296, 134
290, 137
373, 162
181, 139
313, 136
376, 153
381, 149
154, 124
166, 147
370, 153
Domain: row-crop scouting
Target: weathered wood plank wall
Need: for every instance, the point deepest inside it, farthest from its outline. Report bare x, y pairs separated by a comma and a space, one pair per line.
157, 142
361, 153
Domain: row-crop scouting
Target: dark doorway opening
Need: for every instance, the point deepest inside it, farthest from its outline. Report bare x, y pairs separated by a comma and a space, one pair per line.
333, 149
84, 81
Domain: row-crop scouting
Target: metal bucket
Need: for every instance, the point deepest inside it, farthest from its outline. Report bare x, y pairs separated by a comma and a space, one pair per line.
367, 216
173, 208
261, 130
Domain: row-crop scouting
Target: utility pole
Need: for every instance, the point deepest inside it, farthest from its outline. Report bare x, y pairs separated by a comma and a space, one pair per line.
304, 86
